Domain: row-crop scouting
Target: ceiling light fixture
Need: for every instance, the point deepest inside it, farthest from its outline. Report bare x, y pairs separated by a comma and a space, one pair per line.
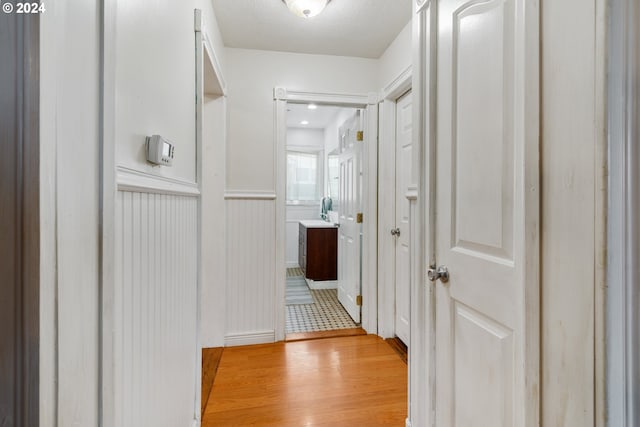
306, 8
304, 122
312, 106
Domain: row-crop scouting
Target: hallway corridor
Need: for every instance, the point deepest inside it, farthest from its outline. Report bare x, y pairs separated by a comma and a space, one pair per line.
349, 381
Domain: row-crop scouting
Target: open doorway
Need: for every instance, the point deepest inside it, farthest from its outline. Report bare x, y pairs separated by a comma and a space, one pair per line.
324, 171
359, 298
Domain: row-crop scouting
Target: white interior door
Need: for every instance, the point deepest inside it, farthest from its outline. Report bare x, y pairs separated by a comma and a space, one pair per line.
349, 205
402, 254
486, 334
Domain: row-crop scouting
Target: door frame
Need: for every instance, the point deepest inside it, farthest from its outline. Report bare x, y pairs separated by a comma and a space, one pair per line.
422, 197
368, 102
623, 219
387, 199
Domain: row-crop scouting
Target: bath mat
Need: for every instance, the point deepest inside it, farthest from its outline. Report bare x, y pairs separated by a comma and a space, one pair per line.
297, 291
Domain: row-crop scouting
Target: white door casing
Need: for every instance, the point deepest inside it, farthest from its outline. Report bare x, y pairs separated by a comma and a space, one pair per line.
350, 231
487, 220
402, 207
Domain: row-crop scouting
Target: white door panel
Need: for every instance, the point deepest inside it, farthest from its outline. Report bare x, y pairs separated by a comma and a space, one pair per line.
403, 176
482, 233
349, 204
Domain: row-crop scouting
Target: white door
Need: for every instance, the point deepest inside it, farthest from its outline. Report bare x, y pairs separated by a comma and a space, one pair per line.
402, 255
349, 205
486, 326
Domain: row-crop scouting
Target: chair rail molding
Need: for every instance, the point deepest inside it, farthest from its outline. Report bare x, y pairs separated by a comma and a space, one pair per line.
136, 181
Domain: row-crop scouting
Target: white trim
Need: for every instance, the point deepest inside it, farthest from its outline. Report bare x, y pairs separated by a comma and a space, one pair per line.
387, 200
421, 5
249, 195
421, 357
344, 100
215, 63
398, 86
369, 316
321, 284
623, 227
141, 182
249, 338
111, 384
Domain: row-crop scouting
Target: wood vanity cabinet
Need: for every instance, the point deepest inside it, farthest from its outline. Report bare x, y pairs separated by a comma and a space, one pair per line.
318, 252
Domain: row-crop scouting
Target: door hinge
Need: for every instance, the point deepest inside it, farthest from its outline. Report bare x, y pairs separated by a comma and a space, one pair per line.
360, 135
359, 217
359, 300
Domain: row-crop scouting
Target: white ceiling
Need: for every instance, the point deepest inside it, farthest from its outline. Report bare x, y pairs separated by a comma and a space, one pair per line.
319, 118
362, 28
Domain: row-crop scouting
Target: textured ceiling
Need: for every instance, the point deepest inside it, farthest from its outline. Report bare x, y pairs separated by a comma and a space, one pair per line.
362, 28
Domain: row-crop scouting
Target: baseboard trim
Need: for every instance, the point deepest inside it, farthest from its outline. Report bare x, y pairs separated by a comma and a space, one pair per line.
250, 338
324, 284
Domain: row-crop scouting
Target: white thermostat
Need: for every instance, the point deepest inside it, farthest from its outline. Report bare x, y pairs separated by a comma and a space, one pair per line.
159, 150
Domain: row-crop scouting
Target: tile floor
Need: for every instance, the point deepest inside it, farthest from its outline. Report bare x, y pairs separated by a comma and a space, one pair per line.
325, 314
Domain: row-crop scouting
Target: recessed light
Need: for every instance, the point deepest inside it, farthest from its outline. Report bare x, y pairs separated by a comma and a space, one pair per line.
304, 122
312, 106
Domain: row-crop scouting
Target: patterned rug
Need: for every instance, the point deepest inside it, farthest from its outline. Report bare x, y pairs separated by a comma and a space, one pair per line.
297, 291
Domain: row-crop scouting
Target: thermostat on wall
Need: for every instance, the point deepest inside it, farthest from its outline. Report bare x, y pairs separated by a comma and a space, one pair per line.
159, 151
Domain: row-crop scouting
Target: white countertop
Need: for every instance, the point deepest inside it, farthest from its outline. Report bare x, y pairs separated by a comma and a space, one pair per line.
317, 223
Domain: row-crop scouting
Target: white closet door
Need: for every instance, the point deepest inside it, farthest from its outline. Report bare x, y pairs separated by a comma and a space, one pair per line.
487, 227
402, 254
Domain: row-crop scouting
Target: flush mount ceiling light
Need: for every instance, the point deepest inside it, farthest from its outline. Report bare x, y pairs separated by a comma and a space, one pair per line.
306, 8
312, 106
304, 122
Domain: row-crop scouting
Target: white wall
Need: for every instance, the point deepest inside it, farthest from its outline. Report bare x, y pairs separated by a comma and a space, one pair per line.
155, 80
396, 58
69, 132
252, 76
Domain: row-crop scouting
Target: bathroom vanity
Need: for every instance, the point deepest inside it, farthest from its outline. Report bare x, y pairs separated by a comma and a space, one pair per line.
318, 250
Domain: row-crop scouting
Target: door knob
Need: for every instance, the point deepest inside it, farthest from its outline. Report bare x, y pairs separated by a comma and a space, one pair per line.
395, 231
441, 273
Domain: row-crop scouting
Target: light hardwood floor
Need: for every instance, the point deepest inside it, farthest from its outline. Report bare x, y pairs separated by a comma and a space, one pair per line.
356, 381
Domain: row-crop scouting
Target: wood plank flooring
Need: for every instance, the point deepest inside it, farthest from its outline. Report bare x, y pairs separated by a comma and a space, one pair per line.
301, 336
399, 347
210, 362
347, 381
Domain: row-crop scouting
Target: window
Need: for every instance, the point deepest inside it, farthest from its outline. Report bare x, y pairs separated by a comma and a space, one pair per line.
303, 172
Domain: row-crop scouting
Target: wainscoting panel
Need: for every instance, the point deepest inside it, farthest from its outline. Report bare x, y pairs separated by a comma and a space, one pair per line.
251, 271
156, 308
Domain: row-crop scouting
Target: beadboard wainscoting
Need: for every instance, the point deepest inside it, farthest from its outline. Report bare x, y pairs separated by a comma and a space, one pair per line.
251, 264
156, 306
